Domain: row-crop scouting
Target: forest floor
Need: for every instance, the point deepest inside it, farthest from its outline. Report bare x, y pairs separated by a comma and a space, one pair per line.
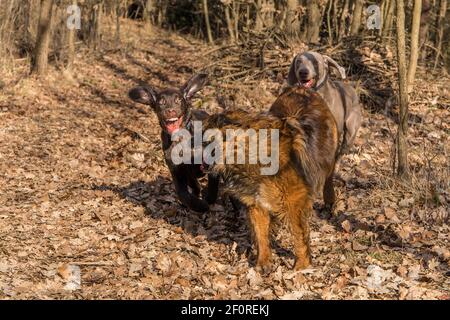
84, 187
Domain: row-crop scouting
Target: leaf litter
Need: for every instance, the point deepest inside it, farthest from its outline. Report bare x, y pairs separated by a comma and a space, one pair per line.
87, 208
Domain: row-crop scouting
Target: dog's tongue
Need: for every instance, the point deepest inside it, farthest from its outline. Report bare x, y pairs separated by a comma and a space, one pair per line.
307, 84
174, 126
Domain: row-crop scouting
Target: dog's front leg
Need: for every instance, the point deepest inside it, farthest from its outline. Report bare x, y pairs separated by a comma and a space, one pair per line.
186, 198
212, 188
260, 220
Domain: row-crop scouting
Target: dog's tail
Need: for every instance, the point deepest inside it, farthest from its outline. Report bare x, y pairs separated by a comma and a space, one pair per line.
305, 154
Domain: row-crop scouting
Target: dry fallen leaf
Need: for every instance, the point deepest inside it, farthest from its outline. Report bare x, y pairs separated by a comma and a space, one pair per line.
347, 226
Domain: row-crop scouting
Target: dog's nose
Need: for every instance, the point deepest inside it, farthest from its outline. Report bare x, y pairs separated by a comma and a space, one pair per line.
171, 113
303, 73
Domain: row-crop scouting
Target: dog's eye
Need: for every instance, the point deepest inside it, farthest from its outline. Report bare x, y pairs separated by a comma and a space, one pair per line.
162, 102
177, 100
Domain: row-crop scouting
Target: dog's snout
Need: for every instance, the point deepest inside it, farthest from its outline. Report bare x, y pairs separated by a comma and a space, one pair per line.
303, 72
171, 112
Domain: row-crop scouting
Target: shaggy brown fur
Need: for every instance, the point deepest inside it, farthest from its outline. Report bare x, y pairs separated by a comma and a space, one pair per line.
307, 146
319, 137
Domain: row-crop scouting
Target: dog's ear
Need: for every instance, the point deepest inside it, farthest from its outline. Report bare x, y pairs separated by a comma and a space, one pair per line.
144, 95
196, 83
334, 64
292, 76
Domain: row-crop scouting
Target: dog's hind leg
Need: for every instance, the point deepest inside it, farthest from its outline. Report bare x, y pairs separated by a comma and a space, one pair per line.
299, 224
260, 220
352, 124
329, 196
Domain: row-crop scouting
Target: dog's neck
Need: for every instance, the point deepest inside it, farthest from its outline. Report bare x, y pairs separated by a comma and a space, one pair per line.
321, 82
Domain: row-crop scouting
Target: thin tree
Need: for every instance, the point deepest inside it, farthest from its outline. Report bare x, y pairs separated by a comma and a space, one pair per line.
292, 25
356, 20
388, 18
208, 24
414, 43
402, 145
258, 18
230, 25
440, 35
71, 40
148, 13
117, 33
314, 19
40, 56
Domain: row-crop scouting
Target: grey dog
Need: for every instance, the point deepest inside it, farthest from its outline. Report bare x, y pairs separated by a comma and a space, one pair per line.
311, 70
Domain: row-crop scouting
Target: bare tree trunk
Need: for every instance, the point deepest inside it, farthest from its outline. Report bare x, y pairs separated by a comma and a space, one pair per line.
292, 25
402, 144
208, 25
229, 23
414, 43
314, 21
387, 24
40, 58
342, 26
424, 26
440, 26
247, 17
330, 32
236, 7
117, 33
148, 13
258, 19
71, 40
98, 26
356, 20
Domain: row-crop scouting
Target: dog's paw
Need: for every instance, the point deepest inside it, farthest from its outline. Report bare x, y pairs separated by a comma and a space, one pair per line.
197, 205
302, 264
264, 269
208, 197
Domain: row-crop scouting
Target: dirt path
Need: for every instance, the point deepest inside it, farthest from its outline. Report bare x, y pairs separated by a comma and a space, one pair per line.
83, 183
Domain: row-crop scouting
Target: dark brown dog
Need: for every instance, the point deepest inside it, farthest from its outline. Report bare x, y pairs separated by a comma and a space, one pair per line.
174, 111
308, 140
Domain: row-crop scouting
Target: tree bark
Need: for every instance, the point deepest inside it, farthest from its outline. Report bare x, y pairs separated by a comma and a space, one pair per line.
148, 13
330, 32
258, 18
356, 20
40, 59
414, 43
292, 25
424, 26
402, 144
117, 33
229, 24
98, 26
314, 22
207, 23
71, 43
440, 35
387, 24
342, 27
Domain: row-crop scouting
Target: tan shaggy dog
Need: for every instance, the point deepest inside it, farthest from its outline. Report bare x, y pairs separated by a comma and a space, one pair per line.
308, 140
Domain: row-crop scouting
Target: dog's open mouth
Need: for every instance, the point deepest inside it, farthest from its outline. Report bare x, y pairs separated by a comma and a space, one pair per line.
306, 83
173, 124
